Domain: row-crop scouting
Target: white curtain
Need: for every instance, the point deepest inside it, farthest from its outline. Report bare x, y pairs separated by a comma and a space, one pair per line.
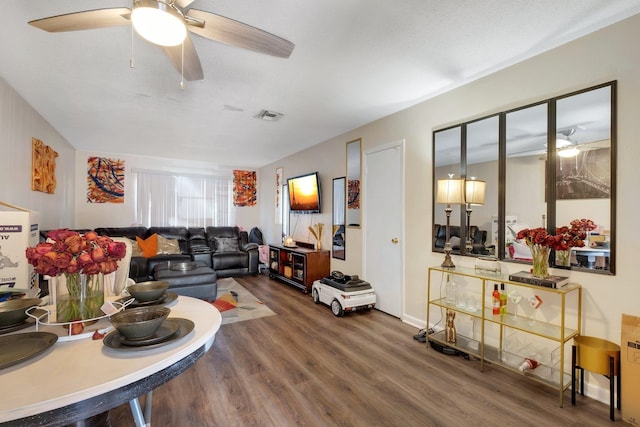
164, 199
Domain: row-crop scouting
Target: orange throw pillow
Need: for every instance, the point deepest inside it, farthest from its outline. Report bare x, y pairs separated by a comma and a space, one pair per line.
149, 246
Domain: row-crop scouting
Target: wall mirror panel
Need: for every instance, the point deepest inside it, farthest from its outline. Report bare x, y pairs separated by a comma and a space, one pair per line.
481, 208
584, 174
354, 161
286, 215
338, 218
526, 156
446, 154
546, 164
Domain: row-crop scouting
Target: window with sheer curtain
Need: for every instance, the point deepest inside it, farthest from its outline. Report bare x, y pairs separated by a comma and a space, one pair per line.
165, 199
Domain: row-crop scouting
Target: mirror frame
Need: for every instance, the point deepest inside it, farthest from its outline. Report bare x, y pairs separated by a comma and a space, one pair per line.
353, 217
550, 174
286, 215
338, 251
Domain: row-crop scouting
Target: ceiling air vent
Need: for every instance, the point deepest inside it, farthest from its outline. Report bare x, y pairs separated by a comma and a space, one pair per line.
270, 116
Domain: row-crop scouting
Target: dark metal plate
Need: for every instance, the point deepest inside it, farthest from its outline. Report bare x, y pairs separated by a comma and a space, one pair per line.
114, 339
166, 298
17, 348
164, 332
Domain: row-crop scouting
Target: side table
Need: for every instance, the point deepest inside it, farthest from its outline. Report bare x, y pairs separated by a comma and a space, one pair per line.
599, 356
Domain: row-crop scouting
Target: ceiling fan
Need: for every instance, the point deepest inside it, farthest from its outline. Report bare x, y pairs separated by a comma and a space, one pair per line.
167, 23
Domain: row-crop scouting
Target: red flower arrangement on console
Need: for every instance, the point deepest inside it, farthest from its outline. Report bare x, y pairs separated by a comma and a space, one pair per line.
541, 242
80, 258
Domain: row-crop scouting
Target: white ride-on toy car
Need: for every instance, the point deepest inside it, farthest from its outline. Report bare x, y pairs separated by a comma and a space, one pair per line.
343, 293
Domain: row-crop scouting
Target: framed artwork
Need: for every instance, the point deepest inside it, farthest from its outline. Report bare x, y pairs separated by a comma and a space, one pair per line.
105, 180
244, 188
585, 176
279, 181
43, 167
353, 194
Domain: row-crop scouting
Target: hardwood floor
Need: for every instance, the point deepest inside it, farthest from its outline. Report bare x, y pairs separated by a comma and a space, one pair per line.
306, 367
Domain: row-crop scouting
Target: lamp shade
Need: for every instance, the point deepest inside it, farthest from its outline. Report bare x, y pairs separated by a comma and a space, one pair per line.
450, 191
474, 191
158, 22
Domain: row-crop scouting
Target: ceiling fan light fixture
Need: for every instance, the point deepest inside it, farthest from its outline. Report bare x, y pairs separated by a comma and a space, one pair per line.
568, 152
158, 22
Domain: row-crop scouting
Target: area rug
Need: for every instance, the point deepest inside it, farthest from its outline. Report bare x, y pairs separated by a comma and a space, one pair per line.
236, 304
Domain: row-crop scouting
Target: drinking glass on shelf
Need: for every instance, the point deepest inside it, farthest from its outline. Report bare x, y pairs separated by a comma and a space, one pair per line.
515, 297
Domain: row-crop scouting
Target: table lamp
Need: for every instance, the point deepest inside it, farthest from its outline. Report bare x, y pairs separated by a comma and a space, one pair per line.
450, 191
473, 195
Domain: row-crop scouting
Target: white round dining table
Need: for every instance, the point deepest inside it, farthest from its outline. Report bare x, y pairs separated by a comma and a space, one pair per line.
77, 379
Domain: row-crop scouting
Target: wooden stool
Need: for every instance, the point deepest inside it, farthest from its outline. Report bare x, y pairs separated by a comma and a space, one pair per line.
599, 356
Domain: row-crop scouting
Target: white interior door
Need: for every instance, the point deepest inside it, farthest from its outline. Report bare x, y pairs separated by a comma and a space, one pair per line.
383, 215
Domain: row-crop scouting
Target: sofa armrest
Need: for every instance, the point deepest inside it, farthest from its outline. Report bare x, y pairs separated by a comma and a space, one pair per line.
139, 269
249, 247
254, 260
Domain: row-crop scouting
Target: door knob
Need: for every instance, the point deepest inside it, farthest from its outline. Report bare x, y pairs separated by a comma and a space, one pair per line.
394, 240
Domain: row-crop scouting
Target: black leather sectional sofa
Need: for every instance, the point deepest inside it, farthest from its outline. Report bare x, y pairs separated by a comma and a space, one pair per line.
196, 244
478, 239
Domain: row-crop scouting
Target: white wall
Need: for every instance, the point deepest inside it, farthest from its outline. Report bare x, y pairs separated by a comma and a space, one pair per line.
67, 207
92, 215
19, 122
609, 54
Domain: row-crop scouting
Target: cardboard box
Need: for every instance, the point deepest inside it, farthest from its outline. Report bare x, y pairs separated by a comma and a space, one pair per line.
18, 230
630, 369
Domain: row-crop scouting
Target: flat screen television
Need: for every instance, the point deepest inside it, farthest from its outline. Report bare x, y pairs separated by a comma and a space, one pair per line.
304, 193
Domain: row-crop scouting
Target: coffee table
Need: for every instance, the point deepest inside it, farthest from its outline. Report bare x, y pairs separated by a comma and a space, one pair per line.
199, 282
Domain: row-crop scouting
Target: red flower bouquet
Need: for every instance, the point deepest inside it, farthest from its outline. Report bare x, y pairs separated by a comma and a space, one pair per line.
541, 242
82, 259
564, 239
67, 251
583, 225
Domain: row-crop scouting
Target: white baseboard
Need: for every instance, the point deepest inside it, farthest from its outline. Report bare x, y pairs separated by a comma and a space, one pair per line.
594, 391
414, 321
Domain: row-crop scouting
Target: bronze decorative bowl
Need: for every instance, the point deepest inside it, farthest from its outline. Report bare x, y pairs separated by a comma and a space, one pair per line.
139, 323
148, 291
12, 312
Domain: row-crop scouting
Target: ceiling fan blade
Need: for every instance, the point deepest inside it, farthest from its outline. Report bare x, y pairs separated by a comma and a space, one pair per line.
235, 33
192, 67
86, 20
183, 3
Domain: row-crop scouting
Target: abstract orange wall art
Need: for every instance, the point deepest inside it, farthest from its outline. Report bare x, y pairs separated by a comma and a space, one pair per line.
244, 188
43, 167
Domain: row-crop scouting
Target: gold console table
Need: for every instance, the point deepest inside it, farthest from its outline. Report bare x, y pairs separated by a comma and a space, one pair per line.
508, 339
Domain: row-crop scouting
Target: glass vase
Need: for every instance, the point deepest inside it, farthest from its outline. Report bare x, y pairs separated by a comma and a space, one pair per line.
563, 258
79, 297
540, 256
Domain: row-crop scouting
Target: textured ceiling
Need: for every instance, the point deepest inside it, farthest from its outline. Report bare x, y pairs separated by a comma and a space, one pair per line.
355, 61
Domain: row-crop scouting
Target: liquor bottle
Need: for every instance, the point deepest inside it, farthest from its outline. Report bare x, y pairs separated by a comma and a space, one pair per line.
503, 300
451, 291
528, 364
495, 299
